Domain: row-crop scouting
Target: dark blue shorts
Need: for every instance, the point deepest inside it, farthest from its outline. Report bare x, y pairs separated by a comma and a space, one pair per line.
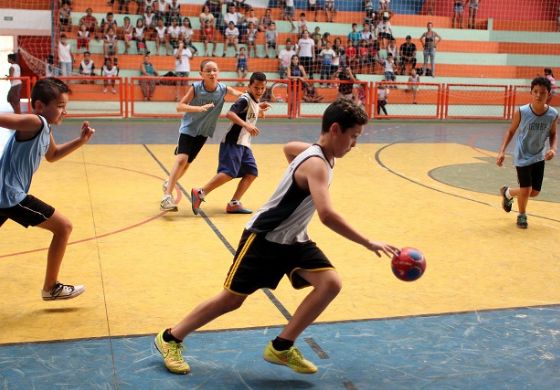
237, 160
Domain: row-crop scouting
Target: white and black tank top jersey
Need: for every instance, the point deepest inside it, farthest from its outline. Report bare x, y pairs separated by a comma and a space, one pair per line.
246, 108
284, 218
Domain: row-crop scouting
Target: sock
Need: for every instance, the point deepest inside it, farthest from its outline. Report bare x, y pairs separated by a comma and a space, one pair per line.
234, 202
508, 195
281, 344
167, 336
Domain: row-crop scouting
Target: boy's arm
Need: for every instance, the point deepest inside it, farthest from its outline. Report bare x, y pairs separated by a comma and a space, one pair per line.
184, 103
252, 129
292, 149
313, 172
234, 91
508, 137
553, 140
56, 152
28, 124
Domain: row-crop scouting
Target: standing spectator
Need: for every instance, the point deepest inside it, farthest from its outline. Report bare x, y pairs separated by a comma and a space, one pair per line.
458, 10
65, 17
384, 5
354, 35
414, 79
242, 66
327, 55
65, 57
430, 40
87, 66
330, 10
384, 30
110, 47
231, 38
389, 68
82, 38
148, 85
215, 7
183, 55
91, 23
127, 33
306, 53
473, 9
312, 7
208, 33
289, 13
50, 69
266, 20
271, 36
407, 54
296, 71
174, 11
187, 34
392, 49
302, 23
110, 72
346, 87
285, 58
337, 48
368, 8
252, 32
14, 94
382, 93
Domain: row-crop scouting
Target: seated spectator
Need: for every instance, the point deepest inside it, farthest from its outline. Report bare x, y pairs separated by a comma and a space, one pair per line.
373, 54
241, 5
215, 7
148, 86
352, 55
90, 22
330, 10
346, 87
150, 19
252, 33
208, 33
162, 10
271, 36
327, 56
110, 47
366, 33
266, 20
107, 23
187, 34
126, 33
285, 58
87, 66
231, 38
82, 38
110, 72
242, 66
363, 52
174, 12
310, 94
139, 36
173, 33
251, 17
354, 35
205, 16
161, 37
407, 54
231, 16
65, 17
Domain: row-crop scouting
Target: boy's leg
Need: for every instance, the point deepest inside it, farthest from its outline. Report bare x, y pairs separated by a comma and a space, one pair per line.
198, 194
243, 186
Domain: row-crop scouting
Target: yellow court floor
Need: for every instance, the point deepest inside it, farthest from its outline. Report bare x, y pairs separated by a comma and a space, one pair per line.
144, 269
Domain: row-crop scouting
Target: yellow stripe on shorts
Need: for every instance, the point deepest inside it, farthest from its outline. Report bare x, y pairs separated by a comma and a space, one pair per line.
238, 259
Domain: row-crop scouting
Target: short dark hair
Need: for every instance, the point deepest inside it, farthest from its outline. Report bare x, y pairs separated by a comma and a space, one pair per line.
257, 76
542, 81
12, 57
344, 112
48, 89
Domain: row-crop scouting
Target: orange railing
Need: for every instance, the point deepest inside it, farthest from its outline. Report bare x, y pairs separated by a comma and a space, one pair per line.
405, 100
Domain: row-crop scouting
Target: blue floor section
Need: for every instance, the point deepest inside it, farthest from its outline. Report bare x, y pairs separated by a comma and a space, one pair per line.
504, 349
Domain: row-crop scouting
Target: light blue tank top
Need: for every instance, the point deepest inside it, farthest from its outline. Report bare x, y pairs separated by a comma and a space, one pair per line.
19, 162
203, 123
532, 133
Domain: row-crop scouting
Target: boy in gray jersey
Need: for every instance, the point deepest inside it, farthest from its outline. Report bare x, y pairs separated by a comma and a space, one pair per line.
275, 243
26, 147
536, 122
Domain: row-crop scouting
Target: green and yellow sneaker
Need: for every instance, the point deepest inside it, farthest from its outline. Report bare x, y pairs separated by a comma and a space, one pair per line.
172, 356
291, 358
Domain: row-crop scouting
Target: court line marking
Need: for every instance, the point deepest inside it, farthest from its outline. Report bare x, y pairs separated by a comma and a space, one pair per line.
382, 164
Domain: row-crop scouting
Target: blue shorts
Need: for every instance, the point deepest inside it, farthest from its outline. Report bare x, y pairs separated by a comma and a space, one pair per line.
237, 160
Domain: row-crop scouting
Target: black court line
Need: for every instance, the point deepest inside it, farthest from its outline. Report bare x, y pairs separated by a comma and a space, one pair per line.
281, 308
380, 163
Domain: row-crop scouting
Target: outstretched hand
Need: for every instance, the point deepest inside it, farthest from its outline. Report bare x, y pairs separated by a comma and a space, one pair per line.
206, 107
382, 248
87, 132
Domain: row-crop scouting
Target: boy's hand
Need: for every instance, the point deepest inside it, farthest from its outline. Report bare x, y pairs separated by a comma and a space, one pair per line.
380, 247
550, 154
87, 132
252, 129
206, 107
500, 159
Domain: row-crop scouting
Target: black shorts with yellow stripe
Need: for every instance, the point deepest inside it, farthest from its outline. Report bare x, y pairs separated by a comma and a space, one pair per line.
260, 263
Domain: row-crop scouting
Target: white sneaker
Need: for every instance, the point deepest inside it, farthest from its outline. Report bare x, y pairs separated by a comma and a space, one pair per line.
62, 291
167, 204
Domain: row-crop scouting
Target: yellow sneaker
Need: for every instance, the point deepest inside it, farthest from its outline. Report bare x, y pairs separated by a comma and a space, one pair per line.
171, 353
291, 358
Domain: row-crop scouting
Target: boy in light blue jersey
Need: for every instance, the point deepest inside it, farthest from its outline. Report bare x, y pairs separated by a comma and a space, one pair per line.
31, 141
202, 106
536, 123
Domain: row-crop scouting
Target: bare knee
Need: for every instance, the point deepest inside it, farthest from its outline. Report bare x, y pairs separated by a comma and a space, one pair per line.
182, 160
63, 227
534, 193
231, 302
332, 285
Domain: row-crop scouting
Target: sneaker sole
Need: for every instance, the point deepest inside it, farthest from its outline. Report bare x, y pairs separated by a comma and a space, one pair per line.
281, 363
174, 209
64, 297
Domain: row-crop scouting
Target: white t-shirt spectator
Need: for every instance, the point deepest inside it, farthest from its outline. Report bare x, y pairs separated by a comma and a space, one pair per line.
64, 52
113, 72
183, 64
286, 56
306, 47
17, 73
232, 32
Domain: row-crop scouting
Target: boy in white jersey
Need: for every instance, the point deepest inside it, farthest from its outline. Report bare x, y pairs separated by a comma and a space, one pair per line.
202, 105
275, 243
236, 157
31, 141
536, 122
